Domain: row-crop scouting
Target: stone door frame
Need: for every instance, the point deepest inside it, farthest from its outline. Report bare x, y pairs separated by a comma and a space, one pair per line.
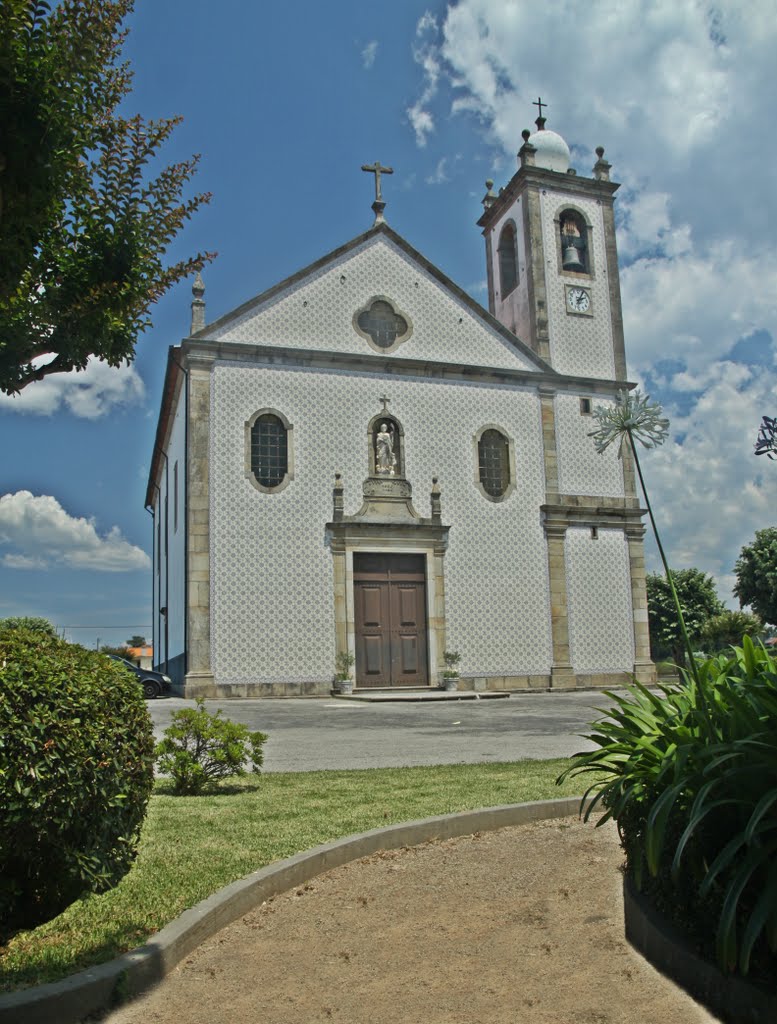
344, 543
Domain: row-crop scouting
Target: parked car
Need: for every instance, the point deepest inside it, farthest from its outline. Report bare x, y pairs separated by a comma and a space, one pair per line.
154, 683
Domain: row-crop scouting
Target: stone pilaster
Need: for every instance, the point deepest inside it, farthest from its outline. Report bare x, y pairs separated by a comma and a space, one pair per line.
535, 269
199, 675
550, 455
644, 669
562, 676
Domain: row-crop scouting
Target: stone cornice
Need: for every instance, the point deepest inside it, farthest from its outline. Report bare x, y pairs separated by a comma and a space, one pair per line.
204, 354
539, 178
562, 511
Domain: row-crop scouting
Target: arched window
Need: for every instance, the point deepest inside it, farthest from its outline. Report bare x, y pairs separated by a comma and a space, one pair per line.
508, 261
269, 450
575, 256
494, 463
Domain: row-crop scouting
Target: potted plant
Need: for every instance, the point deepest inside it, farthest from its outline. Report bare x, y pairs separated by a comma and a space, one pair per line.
450, 675
343, 680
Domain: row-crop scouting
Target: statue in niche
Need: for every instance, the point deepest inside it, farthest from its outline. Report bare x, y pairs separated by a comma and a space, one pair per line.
385, 459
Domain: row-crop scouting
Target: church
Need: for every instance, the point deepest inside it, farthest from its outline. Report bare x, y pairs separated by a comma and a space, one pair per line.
362, 463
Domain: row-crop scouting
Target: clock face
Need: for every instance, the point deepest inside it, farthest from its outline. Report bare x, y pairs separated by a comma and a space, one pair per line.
578, 300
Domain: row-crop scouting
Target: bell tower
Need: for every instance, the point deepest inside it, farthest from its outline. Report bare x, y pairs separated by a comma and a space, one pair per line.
551, 258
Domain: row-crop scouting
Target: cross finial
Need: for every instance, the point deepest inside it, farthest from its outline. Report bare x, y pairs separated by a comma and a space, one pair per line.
379, 205
539, 104
385, 402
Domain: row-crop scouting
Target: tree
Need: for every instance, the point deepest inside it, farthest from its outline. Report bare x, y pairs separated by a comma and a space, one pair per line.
136, 641
698, 600
756, 573
31, 622
728, 628
83, 229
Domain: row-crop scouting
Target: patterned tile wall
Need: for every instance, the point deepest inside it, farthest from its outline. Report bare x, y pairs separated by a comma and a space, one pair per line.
601, 632
579, 345
318, 312
271, 570
581, 469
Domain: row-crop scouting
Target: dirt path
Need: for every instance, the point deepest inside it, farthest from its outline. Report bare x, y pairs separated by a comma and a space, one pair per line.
521, 926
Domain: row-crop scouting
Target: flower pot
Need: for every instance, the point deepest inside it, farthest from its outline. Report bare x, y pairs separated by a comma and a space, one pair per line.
343, 685
450, 683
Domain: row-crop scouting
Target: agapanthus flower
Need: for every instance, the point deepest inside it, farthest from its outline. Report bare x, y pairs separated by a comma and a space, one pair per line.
632, 415
766, 444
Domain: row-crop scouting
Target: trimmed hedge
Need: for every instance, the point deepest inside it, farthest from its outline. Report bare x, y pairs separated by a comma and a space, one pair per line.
76, 771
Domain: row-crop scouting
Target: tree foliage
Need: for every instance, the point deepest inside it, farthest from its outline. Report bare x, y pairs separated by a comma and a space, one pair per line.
698, 600
83, 227
32, 622
727, 629
756, 572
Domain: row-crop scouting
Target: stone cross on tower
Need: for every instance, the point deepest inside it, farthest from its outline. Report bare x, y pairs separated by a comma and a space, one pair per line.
378, 206
540, 122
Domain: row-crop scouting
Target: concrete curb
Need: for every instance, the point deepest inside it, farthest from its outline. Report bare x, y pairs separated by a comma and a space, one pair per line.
99, 988
732, 998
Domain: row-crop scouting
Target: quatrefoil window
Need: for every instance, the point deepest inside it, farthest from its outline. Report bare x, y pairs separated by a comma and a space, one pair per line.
382, 325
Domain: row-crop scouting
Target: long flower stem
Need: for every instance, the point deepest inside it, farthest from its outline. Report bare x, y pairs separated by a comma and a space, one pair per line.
667, 570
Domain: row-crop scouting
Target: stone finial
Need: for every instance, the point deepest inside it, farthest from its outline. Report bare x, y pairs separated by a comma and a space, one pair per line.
198, 304
436, 503
527, 150
490, 197
601, 167
338, 499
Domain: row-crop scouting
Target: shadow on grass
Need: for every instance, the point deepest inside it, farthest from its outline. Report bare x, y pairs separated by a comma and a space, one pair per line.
166, 787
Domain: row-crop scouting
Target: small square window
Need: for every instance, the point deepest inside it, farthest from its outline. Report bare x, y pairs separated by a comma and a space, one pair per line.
594, 533
585, 406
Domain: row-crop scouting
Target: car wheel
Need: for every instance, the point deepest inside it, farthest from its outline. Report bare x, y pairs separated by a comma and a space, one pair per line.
151, 689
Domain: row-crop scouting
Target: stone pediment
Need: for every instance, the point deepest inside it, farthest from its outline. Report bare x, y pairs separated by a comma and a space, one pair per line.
376, 295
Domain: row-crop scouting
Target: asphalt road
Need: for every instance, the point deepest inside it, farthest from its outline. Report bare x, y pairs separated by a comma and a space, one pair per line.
316, 734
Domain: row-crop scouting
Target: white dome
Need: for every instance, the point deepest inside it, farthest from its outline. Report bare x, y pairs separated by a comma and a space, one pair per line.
552, 152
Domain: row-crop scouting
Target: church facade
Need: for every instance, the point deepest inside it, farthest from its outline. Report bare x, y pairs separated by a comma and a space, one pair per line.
363, 462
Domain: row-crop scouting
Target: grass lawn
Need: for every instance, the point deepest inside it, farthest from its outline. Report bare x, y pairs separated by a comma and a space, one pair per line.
192, 846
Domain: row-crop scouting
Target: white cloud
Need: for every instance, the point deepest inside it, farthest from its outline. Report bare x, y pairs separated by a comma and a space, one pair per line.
369, 53
681, 96
41, 534
88, 394
439, 175
426, 55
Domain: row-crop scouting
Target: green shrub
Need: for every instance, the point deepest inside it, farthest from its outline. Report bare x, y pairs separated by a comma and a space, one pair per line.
76, 771
199, 749
690, 777
38, 625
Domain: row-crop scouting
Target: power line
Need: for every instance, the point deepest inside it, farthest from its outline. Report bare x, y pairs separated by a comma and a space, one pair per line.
142, 626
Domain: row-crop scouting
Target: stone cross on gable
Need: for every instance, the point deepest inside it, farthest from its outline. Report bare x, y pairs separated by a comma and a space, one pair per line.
377, 170
385, 402
379, 205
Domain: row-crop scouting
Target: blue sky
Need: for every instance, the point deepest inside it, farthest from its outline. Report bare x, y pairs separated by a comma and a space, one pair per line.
285, 102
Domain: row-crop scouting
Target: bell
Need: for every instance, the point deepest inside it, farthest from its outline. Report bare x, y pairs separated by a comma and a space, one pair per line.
571, 260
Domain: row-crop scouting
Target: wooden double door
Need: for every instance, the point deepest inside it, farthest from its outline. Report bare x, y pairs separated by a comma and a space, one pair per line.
390, 613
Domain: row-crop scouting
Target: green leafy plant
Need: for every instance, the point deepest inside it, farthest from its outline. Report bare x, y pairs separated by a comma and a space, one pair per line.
692, 785
199, 749
451, 659
32, 622
344, 662
76, 771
